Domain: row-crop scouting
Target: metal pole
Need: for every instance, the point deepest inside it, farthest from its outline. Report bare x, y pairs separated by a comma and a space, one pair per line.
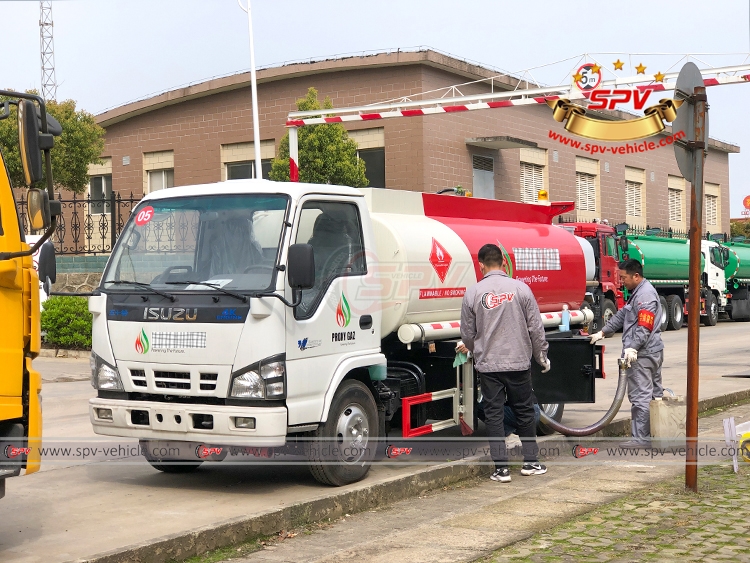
254, 90
696, 208
293, 155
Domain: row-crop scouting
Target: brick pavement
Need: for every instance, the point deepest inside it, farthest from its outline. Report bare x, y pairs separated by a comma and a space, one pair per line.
664, 522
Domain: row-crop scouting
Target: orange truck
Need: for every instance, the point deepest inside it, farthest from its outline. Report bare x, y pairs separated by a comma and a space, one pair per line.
20, 384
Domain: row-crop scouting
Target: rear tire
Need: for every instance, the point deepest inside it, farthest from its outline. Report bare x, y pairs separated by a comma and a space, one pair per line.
352, 430
664, 321
674, 312
555, 412
609, 310
712, 311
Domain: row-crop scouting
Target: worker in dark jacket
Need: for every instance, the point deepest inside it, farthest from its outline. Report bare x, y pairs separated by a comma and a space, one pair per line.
642, 347
502, 327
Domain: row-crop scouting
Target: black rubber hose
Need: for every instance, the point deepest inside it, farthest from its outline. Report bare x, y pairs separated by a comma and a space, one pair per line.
597, 426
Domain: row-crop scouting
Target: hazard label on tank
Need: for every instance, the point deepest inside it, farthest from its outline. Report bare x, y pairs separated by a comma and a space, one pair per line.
440, 259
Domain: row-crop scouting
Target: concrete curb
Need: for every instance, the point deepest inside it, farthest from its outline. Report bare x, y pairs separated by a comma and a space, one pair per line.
180, 546
62, 353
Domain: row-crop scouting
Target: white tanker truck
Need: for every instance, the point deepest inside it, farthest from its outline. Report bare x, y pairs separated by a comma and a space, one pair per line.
261, 314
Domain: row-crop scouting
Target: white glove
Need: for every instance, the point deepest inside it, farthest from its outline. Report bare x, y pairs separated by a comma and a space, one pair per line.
630, 355
597, 337
546, 365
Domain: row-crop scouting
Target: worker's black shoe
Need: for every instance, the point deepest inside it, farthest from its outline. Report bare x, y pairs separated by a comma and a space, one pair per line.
502, 474
533, 469
635, 444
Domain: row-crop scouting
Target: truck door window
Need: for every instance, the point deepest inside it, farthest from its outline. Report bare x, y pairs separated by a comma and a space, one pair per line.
611, 246
716, 258
334, 230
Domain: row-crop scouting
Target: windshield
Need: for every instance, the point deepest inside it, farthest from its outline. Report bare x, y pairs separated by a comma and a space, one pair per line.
229, 241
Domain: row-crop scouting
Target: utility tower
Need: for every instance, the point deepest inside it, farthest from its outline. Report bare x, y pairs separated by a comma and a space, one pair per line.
47, 50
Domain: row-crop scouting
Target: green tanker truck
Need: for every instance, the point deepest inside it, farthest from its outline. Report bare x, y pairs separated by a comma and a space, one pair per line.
666, 264
737, 273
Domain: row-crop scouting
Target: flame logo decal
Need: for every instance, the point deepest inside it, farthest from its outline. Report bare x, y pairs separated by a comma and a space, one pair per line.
141, 343
343, 312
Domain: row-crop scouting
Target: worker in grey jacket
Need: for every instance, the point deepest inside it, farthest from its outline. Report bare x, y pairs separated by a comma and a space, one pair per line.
502, 327
642, 347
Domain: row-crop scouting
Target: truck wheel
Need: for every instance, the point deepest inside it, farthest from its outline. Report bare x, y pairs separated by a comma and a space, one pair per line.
555, 412
674, 312
608, 310
343, 447
712, 311
664, 320
167, 466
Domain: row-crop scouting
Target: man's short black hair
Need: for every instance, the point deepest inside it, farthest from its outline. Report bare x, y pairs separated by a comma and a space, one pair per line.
490, 255
631, 267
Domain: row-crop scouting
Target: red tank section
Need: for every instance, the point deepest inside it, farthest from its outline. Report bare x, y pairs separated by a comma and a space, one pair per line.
548, 259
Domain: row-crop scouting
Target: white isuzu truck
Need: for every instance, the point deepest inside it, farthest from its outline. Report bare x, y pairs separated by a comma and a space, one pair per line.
262, 314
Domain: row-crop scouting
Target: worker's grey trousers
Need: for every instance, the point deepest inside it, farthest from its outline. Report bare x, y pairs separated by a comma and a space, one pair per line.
644, 384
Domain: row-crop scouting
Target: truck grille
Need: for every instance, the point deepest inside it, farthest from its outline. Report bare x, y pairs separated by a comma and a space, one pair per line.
208, 381
172, 379
139, 377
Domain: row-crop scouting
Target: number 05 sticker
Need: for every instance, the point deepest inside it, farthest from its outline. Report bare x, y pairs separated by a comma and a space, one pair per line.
144, 216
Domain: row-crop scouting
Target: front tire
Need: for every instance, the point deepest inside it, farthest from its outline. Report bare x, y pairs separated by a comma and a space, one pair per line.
609, 310
712, 311
555, 412
674, 312
664, 320
343, 447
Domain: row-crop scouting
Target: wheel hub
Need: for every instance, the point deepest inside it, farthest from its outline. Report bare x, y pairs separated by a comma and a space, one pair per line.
352, 433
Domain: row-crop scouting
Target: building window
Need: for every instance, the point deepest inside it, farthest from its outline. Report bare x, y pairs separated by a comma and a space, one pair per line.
586, 191
711, 207
374, 166
483, 176
532, 180
675, 205
246, 169
160, 179
100, 192
633, 199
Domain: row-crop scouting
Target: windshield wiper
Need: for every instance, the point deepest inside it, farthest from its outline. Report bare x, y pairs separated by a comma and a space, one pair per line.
215, 286
144, 286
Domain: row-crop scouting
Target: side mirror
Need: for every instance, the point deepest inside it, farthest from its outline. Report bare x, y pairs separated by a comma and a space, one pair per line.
301, 266
47, 265
37, 205
28, 137
621, 228
624, 243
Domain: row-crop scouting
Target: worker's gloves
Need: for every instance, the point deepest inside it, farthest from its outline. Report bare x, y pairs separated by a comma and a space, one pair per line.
545, 363
597, 337
630, 355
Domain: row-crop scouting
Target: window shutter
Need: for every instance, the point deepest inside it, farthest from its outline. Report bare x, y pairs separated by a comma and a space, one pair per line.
633, 199
675, 205
586, 191
532, 180
711, 218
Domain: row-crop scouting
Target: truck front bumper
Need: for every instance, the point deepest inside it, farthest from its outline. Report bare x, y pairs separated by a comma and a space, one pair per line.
184, 422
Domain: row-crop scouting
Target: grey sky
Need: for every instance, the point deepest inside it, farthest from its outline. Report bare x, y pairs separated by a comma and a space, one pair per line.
108, 52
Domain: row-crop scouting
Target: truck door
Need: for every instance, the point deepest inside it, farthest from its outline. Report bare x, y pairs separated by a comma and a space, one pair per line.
337, 317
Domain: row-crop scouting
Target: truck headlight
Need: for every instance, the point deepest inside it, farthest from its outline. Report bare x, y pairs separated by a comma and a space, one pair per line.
263, 380
104, 376
249, 385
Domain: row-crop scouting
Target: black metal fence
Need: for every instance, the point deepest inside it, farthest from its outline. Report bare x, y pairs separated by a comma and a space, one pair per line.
87, 225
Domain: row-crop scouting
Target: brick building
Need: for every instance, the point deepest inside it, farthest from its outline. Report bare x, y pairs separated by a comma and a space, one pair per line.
203, 133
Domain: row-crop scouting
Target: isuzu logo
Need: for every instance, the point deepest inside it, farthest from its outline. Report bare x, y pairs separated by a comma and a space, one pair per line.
169, 314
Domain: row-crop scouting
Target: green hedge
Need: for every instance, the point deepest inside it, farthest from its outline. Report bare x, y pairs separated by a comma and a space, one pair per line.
67, 322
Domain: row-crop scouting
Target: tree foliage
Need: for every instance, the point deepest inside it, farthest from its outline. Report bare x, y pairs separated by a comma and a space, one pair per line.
739, 227
67, 322
326, 153
80, 144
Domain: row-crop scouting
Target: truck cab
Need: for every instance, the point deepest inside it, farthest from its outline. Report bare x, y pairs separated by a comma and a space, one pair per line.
608, 297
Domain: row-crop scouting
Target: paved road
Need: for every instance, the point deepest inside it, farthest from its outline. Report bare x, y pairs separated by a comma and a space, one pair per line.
75, 509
